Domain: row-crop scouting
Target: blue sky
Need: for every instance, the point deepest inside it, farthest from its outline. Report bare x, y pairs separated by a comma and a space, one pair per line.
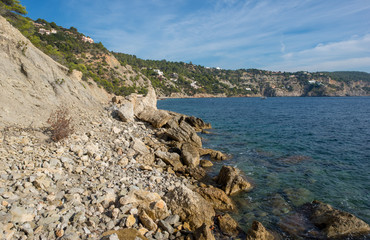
278, 35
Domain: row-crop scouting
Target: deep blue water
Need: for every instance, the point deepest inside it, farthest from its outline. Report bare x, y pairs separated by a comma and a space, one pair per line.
294, 150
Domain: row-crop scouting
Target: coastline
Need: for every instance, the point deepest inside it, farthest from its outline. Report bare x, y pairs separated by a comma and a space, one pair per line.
130, 170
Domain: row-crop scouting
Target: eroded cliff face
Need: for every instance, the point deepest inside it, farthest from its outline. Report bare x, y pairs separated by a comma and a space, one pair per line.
32, 84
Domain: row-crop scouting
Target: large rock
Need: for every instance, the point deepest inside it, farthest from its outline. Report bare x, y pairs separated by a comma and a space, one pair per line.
213, 154
147, 102
228, 225
172, 159
190, 155
335, 223
216, 197
190, 206
126, 112
181, 131
231, 180
157, 118
197, 123
204, 233
259, 232
146, 201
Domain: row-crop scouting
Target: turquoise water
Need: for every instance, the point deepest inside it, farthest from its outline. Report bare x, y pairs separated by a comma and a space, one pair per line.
294, 150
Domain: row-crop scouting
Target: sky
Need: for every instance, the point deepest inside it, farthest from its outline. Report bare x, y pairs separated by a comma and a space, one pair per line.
276, 35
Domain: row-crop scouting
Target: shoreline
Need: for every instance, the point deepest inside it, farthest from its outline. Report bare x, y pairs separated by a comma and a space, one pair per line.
129, 170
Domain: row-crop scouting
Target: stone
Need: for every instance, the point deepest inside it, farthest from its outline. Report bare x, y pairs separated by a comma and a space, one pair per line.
149, 101
213, 154
173, 219
130, 221
190, 206
165, 226
216, 197
335, 223
204, 233
147, 221
124, 234
172, 159
190, 155
182, 132
259, 232
205, 163
231, 180
139, 146
228, 225
197, 123
126, 112
21, 214
158, 118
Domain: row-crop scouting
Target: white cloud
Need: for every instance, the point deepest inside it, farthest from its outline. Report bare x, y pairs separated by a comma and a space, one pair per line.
351, 54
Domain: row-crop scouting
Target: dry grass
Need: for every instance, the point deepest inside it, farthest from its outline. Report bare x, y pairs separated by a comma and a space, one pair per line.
60, 124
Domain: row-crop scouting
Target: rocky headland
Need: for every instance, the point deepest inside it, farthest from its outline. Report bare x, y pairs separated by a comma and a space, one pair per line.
128, 171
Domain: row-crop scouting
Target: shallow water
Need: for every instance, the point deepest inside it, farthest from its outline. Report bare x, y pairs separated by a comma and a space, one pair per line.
294, 150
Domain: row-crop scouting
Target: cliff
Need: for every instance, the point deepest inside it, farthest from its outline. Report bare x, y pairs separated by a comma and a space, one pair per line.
33, 84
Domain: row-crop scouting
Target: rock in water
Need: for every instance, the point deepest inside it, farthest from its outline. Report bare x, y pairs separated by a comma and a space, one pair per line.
258, 232
190, 206
231, 180
228, 225
335, 223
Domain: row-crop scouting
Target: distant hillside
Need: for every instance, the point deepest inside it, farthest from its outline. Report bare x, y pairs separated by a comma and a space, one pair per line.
123, 74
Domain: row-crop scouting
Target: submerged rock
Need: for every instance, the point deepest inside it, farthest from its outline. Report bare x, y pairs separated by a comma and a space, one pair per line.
335, 223
231, 180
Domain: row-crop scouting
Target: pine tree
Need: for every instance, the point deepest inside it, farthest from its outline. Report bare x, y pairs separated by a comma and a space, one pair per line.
12, 6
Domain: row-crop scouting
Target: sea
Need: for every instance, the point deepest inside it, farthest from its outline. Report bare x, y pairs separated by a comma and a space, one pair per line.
293, 149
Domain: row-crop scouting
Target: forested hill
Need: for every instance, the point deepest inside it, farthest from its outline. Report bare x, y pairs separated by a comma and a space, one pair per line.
194, 79
123, 74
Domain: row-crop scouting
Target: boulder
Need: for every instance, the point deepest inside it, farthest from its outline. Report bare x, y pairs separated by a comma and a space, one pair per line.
190, 206
139, 146
228, 225
157, 118
147, 221
190, 155
197, 173
146, 201
197, 123
204, 233
259, 232
216, 197
181, 131
213, 154
142, 103
231, 180
205, 163
335, 223
172, 159
123, 234
126, 112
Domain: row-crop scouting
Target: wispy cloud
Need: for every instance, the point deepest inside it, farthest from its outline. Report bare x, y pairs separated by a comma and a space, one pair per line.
232, 33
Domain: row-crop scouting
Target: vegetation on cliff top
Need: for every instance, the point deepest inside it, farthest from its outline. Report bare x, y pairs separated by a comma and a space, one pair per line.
68, 47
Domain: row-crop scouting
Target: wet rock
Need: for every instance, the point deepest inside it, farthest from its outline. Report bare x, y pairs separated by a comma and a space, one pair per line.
259, 232
190, 206
216, 197
231, 180
228, 225
197, 123
335, 223
213, 154
204, 233
206, 163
